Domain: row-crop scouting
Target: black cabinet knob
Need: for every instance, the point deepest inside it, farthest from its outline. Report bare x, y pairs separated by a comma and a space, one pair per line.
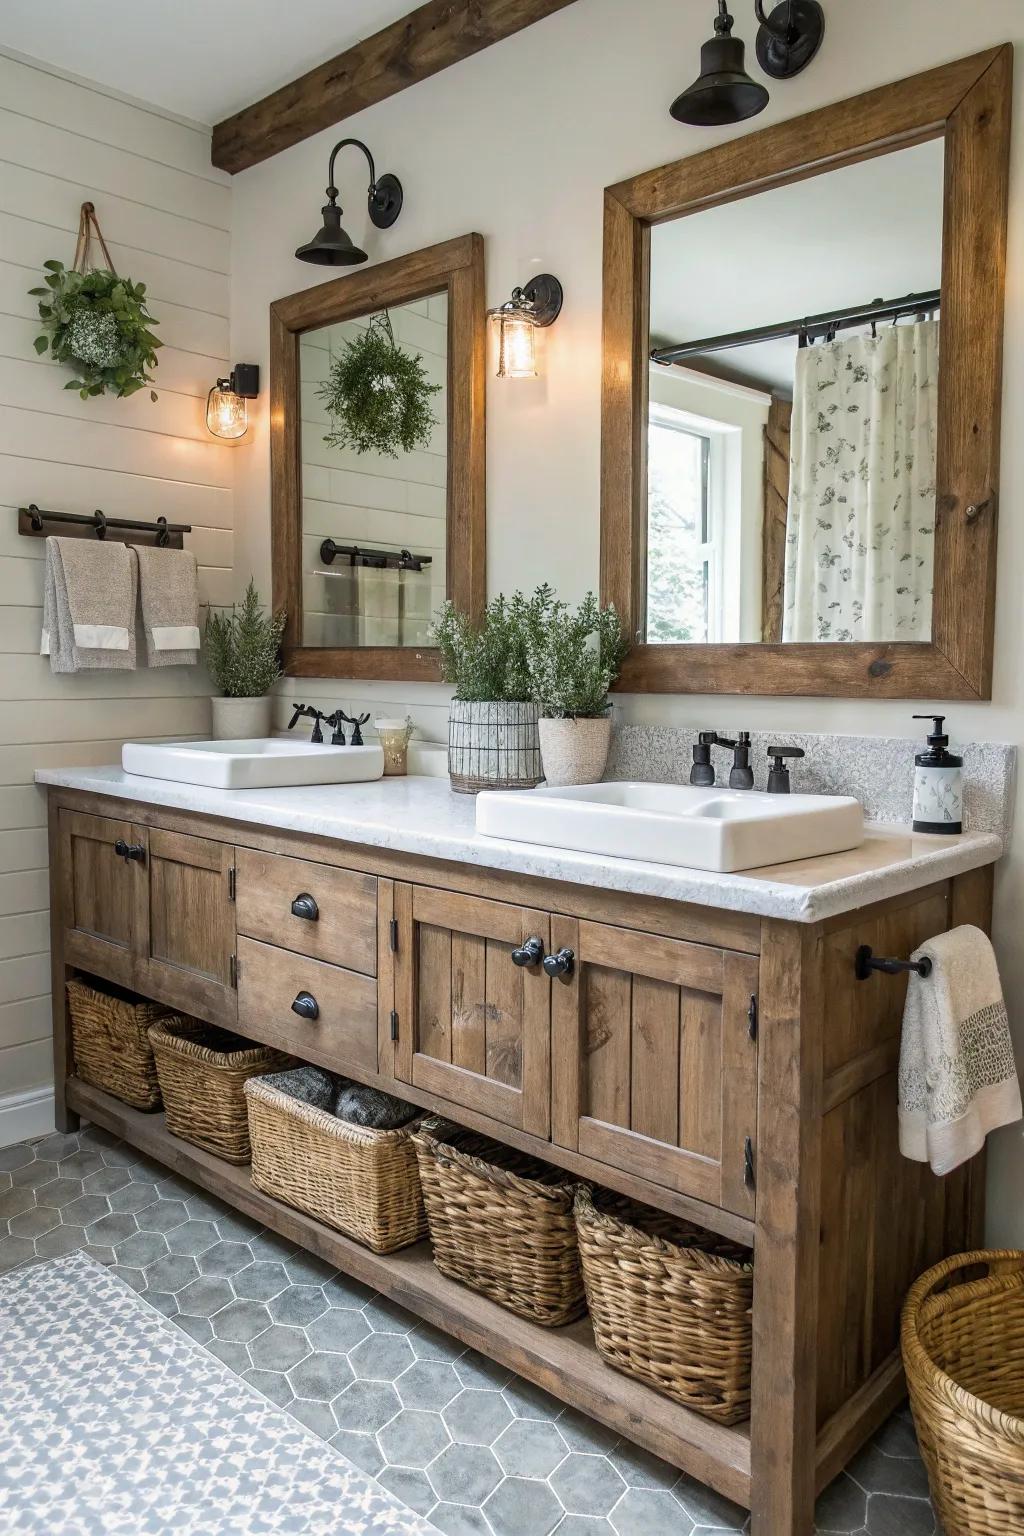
305, 906
561, 964
129, 851
306, 1006
530, 952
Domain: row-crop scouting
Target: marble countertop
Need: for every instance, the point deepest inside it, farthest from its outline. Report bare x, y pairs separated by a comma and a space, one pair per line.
422, 816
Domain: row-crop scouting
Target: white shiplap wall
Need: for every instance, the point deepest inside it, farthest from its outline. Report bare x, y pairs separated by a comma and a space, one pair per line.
166, 216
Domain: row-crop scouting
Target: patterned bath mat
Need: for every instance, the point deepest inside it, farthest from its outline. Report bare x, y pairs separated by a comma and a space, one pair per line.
113, 1421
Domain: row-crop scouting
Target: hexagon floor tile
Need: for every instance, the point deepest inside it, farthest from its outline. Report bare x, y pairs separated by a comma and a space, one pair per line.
461, 1440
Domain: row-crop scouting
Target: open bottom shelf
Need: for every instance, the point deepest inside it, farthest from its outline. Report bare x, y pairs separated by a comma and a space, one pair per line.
563, 1361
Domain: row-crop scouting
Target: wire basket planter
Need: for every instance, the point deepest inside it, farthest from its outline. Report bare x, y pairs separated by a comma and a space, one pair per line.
493, 746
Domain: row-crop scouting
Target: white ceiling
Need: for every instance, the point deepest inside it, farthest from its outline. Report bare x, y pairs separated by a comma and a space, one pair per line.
872, 230
201, 59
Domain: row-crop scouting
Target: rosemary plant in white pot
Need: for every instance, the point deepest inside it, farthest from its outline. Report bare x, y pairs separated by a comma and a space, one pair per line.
574, 658
492, 726
242, 648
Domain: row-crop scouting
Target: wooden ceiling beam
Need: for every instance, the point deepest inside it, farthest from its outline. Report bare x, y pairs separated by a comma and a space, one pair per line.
418, 45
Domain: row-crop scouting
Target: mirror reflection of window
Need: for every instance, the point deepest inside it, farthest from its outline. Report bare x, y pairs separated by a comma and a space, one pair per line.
380, 503
796, 333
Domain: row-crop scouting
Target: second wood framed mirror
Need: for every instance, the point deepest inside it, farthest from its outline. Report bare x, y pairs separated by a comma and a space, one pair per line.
802, 372
370, 533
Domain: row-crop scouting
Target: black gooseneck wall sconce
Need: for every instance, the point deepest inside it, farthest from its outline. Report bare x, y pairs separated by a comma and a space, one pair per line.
331, 246
723, 92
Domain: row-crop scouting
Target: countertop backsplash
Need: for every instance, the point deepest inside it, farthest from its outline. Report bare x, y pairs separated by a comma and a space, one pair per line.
878, 770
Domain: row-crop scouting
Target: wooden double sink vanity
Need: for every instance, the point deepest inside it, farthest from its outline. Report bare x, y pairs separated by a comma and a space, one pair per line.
723, 1065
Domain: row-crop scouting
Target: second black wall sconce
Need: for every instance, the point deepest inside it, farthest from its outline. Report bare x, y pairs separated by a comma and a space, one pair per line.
723, 92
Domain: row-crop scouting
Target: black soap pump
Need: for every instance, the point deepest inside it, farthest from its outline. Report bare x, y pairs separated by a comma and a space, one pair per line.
938, 783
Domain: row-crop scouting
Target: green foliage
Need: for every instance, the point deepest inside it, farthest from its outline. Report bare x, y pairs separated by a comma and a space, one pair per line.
98, 324
243, 648
492, 662
574, 657
377, 395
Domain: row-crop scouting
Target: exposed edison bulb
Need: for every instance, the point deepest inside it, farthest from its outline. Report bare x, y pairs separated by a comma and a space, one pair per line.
226, 412
517, 357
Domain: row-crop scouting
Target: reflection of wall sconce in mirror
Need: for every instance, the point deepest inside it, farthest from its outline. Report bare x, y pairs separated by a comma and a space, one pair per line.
226, 411
723, 92
538, 304
331, 246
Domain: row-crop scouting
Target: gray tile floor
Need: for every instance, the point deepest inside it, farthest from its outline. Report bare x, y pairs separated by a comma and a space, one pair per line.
458, 1438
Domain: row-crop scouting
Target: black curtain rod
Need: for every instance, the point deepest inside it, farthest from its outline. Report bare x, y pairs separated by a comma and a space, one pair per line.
807, 329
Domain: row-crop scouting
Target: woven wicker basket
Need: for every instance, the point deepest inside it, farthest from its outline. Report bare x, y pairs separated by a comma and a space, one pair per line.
670, 1303
501, 1222
963, 1350
360, 1181
110, 1038
202, 1072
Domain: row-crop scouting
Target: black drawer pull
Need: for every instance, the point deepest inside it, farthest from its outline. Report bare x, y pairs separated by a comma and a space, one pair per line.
129, 851
305, 906
306, 1006
530, 952
561, 964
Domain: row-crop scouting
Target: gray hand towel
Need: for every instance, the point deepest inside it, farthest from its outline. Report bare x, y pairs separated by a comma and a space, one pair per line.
957, 1078
89, 598
169, 600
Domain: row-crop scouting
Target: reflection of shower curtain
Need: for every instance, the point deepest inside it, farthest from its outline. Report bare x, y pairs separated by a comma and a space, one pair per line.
860, 530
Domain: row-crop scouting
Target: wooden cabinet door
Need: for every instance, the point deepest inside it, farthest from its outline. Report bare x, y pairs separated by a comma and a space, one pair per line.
104, 893
655, 1059
472, 1026
189, 940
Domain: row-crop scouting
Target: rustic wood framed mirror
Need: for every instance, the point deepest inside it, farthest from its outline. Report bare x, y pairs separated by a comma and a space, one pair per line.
370, 534
799, 481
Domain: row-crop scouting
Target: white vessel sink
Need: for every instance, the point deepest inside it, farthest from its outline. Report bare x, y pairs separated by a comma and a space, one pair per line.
717, 829
269, 762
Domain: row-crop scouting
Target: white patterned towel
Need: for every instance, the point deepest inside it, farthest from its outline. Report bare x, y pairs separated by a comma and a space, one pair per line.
958, 1078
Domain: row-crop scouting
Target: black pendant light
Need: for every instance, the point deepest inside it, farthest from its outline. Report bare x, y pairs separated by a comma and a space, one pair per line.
331, 246
723, 92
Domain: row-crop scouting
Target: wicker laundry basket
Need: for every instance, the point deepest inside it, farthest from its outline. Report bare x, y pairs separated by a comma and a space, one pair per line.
202, 1071
670, 1303
358, 1180
963, 1350
501, 1222
110, 1039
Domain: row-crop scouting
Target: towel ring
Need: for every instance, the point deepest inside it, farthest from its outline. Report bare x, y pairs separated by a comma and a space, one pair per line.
866, 963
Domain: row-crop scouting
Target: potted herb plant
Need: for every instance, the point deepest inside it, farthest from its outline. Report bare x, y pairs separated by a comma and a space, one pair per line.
242, 648
574, 657
492, 728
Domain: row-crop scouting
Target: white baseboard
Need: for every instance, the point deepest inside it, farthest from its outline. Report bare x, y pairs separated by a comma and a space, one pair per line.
26, 1115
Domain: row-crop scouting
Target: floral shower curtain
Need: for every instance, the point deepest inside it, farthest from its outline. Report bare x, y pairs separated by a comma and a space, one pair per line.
861, 522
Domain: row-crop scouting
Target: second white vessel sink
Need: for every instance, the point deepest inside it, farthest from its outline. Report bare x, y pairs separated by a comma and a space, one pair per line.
269, 762
718, 829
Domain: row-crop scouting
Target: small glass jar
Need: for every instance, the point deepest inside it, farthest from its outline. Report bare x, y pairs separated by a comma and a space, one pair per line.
394, 736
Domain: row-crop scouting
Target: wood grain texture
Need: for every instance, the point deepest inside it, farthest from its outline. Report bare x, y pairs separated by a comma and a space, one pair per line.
562, 1361
344, 1036
967, 102
188, 938
65, 1117
453, 267
345, 931
776, 512
411, 49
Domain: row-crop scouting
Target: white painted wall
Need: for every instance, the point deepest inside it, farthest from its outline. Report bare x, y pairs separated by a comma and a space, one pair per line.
518, 143
166, 215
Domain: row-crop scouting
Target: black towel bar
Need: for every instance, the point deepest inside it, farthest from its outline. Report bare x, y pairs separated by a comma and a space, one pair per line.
122, 530
867, 962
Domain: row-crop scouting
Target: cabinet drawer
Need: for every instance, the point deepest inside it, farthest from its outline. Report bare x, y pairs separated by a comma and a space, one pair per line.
344, 928
343, 1035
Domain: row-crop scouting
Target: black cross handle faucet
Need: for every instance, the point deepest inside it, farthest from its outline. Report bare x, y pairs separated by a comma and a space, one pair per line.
317, 716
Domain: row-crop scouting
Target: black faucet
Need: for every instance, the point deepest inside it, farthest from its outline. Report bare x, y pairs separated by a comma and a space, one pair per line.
703, 772
741, 775
316, 715
778, 776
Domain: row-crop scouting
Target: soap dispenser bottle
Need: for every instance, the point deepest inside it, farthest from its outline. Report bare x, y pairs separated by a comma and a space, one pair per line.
938, 783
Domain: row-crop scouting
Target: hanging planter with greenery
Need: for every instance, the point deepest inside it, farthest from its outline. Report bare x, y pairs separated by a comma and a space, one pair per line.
96, 322
377, 395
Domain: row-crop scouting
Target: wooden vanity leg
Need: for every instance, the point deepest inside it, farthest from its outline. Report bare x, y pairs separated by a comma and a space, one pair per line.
784, 1388
65, 1119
